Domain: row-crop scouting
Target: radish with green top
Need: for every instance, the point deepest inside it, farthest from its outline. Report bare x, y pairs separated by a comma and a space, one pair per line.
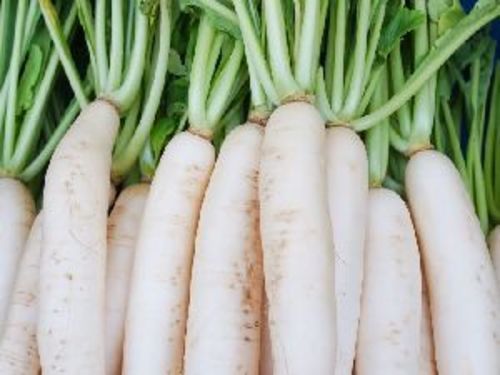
30, 126
158, 303
463, 292
73, 263
18, 345
123, 226
295, 224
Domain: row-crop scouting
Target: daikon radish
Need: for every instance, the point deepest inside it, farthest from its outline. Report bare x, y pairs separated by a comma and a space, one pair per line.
224, 321
347, 199
73, 262
18, 346
389, 330
123, 226
159, 291
297, 242
463, 291
17, 211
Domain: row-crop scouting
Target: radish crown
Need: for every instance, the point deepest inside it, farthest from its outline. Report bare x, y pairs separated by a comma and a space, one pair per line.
31, 121
120, 53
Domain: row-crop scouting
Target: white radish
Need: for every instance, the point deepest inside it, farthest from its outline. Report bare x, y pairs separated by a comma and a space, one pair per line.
157, 311
18, 346
389, 329
73, 262
297, 242
123, 227
266, 355
347, 173
17, 211
224, 320
463, 291
427, 357
494, 242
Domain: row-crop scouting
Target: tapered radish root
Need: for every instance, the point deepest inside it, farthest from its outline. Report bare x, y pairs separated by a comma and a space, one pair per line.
347, 173
157, 312
17, 211
73, 262
463, 292
427, 357
18, 346
223, 328
494, 242
123, 226
389, 328
297, 242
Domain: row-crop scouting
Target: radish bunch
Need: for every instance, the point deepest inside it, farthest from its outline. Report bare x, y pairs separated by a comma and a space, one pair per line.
249, 187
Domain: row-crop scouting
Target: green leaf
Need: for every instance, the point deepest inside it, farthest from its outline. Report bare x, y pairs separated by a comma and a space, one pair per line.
149, 8
161, 132
446, 13
396, 27
175, 65
29, 79
218, 12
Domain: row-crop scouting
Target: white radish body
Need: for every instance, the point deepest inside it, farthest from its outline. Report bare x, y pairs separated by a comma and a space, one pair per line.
297, 242
389, 329
123, 226
159, 294
17, 211
266, 355
427, 357
18, 346
494, 242
463, 292
73, 262
224, 321
347, 199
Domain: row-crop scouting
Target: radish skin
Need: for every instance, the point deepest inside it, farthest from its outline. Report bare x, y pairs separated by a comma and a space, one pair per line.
157, 311
347, 173
266, 355
427, 358
123, 227
463, 292
17, 212
73, 262
494, 242
389, 329
297, 242
18, 346
223, 328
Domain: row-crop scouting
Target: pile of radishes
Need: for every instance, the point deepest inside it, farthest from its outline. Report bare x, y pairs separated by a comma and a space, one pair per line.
250, 187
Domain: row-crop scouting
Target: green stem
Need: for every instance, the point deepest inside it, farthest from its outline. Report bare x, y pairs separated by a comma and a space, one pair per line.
13, 77
87, 22
454, 140
42, 158
339, 65
492, 132
279, 56
61, 45
117, 43
6, 19
125, 161
398, 80
31, 124
32, 18
100, 45
355, 92
308, 51
254, 51
444, 48
219, 98
124, 96
198, 84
